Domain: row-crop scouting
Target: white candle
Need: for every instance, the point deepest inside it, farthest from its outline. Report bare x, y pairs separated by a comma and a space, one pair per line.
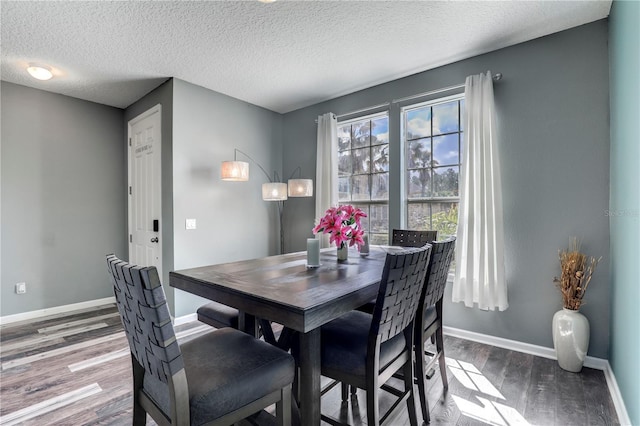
313, 252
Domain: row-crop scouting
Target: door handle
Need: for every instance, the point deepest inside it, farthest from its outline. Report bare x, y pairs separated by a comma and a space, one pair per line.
154, 240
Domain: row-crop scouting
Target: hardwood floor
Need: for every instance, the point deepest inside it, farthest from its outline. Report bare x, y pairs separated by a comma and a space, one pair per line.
75, 369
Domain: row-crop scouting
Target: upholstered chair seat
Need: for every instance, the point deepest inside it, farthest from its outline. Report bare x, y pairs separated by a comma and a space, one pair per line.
345, 341
218, 315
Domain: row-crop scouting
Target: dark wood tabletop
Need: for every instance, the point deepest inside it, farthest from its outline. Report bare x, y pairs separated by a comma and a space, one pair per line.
282, 289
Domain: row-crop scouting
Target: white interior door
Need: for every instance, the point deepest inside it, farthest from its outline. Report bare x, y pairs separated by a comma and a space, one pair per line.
145, 190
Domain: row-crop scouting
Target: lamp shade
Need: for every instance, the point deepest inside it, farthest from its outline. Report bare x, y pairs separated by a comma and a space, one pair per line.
300, 188
274, 191
235, 171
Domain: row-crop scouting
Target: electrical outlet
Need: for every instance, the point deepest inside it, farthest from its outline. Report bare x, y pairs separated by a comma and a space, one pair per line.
190, 224
21, 288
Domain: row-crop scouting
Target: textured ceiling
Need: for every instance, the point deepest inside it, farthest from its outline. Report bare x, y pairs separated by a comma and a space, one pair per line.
281, 56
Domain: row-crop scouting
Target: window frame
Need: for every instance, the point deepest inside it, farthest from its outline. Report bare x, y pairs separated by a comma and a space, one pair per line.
369, 202
406, 201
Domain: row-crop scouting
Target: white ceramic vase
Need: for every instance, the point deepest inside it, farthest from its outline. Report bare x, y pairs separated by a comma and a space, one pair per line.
570, 339
343, 253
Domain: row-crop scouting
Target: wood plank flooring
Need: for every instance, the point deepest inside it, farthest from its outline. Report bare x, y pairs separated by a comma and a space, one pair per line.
75, 370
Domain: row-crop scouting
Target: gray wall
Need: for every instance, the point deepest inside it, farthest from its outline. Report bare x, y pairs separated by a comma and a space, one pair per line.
162, 95
624, 50
63, 198
554, 140
233, 223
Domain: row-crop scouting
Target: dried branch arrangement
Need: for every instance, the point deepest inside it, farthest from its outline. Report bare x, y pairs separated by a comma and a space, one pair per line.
577, 270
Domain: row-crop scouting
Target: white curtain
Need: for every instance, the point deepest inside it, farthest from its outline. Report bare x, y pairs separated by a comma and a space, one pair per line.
480, 242
326, 168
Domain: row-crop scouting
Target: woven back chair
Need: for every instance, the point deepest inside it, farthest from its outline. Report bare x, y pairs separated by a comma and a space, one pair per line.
429, 319
364, 350
404, 238
411, 238
218, 378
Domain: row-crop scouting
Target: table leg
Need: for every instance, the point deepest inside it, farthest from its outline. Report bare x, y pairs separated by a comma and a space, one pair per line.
309, 352
247, 323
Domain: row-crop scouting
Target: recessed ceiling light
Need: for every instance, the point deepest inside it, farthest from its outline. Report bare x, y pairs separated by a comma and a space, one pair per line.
39, 72
266, 1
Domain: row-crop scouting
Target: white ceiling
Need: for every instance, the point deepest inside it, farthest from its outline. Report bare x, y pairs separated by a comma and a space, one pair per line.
281, 56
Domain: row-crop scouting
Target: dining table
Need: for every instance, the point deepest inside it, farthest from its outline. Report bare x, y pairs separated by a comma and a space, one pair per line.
284, 290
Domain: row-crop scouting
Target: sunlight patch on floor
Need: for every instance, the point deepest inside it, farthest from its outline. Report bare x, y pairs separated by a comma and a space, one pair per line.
471, 378
490, 412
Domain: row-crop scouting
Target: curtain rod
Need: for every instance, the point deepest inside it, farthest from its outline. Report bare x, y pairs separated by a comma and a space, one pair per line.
386, 104
496, 77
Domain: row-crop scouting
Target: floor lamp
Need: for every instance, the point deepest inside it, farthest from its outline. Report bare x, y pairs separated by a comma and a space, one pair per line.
274, 190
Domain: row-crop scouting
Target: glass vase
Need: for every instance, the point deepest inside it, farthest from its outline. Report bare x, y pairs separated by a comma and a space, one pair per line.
343, 253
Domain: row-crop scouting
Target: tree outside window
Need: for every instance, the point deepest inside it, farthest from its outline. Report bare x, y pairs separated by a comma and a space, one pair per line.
363, 171
432, 137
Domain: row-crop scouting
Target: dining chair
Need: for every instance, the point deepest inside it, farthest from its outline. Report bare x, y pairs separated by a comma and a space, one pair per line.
412, 238
217, 378
405, 238
429, 319
365, 350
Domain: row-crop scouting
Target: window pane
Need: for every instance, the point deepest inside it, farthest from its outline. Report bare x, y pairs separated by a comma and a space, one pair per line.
361, 158
432, 164
379, 218
419, 216
419, 153
444, 219
360, 187
380, 158
445, 182
419, 183
380, 130
344, 137
376, 222
445, 118
344, 163
344, 191
418, 123
363, 167
461, 115
380, 239
360, 133
365, 220
445, 150
380, 186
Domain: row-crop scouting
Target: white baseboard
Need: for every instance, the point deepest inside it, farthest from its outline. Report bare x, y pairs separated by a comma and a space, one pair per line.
618, 402
57, 310
544, 352
185, 319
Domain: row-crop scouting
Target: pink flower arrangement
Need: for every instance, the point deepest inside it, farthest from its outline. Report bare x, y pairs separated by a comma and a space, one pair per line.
343, 225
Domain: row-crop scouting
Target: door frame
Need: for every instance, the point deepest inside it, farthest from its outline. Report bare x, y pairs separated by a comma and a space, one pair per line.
130, 161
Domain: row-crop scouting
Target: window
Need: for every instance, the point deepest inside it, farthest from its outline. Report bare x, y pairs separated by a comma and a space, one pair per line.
363, 171
432, 140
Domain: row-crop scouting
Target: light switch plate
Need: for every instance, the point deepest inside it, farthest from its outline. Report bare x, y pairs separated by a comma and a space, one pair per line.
21, 288
190, 224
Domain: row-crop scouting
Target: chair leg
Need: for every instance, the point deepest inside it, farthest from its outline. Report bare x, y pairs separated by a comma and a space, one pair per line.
345, 391
441, 359
139, 414
283, 407
420, 374
408, 387
373, 409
